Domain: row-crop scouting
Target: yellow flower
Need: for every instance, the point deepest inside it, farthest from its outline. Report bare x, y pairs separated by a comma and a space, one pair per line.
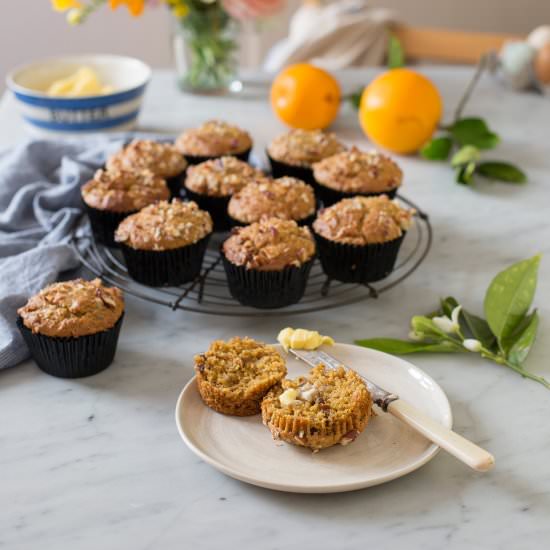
135, 7
64, 5
181, 10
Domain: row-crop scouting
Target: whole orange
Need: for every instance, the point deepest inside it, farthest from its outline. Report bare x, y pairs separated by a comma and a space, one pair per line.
399, 110
305, 96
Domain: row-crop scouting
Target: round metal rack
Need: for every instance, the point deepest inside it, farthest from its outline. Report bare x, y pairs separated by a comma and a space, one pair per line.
209, 293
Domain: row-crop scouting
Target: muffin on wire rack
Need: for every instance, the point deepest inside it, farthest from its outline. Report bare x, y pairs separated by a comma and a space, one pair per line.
164, 243
213, 139
163, 159
285, 198
358, 239
212, 183
267, 263
234, 376
114, 194
72, 327
294, 153
355, 172
324, 408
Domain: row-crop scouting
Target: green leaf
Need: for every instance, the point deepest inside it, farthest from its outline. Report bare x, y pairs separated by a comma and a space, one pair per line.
464, 174
437, 148
524, 340
501, 171
403, 347
396, 55
476, 327
355, 98
447, 306
509, 298
424, 325
465, 155
474, 131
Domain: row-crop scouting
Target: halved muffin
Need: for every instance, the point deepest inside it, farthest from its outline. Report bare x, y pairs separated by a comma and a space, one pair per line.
234, 376
326, 407
356, 172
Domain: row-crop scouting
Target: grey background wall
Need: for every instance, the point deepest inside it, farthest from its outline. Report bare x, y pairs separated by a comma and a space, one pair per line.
30, 29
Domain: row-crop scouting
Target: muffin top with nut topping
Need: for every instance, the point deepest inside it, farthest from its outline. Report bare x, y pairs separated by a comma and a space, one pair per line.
213, 139
285, 198
124, 190
304, 147
363, 220
356, 171
163, 159
220, 177
164, 226
73, 308
270, 245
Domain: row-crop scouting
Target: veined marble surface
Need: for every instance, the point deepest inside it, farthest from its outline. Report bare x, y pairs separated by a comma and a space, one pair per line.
97, 463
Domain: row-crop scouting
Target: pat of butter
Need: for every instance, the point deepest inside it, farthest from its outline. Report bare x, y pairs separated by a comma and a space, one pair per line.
85, 81
302, 339
288, 397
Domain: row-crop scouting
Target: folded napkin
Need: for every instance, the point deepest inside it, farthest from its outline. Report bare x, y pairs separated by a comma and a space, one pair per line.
40, 206
346, 33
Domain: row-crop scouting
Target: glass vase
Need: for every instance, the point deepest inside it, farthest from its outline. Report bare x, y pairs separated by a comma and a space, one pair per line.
206, 52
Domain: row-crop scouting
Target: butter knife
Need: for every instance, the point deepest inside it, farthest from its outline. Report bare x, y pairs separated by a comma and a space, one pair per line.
460, 447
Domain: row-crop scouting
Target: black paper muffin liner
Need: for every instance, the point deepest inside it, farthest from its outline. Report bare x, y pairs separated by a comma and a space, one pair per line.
331, 196
165, 267
215, 206
72, 357
175, 185
280, 169
104, 224
350, 263
267, 289
197, 159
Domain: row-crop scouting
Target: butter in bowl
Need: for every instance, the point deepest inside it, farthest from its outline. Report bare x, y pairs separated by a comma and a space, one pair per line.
71, 96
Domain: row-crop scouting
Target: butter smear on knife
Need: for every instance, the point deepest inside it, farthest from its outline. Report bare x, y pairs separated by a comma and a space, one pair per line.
300, 338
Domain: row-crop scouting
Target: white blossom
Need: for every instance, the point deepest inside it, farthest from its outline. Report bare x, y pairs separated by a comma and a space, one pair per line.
448, 325
471, 344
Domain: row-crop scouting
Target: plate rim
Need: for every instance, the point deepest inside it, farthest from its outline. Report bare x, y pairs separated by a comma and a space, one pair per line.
428, 455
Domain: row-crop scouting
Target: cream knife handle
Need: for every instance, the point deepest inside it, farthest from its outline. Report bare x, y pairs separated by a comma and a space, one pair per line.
466, 451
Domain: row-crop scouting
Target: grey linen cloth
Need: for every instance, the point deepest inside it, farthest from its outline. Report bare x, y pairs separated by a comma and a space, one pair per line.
40, 206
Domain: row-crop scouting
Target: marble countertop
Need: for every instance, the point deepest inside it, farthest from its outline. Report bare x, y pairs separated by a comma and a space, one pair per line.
97, 463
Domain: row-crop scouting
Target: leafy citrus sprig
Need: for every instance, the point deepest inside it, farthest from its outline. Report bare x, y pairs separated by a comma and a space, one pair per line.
506, 335
468, 137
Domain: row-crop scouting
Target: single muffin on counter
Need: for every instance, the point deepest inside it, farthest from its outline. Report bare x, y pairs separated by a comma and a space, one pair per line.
359, 238
163, 159
165, 243
72, 327
285, 198
214, 139
114, 194
319, 410
212, 183
356, 172
267, 263
294, 153
234, 376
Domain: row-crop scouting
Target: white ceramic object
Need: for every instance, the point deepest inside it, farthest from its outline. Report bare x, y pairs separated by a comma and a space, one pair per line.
73, 116
243, 448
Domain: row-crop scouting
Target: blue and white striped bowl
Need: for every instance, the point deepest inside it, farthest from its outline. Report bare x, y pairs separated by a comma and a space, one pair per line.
66, 116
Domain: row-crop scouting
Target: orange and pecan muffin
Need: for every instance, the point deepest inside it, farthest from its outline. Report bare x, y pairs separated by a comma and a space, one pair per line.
212, 183
163, 159
234, 376
324, 408
164, 243
359, 238
295, 152
114, 194
213, 139
268, 262
285, 198
356, 172
72, 327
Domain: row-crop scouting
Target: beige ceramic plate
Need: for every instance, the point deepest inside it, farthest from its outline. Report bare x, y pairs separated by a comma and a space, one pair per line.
243, 448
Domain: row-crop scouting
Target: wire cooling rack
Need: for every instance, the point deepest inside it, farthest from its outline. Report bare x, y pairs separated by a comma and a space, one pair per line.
209, 293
